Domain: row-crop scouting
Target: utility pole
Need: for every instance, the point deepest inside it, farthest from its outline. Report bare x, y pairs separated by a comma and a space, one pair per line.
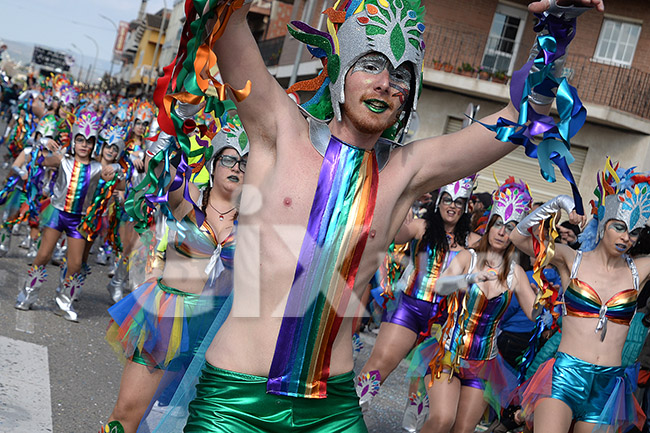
96, 52
154, 60
116, 33
81, 62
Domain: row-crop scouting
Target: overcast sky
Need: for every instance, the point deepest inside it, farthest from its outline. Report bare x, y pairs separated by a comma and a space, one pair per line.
60, 23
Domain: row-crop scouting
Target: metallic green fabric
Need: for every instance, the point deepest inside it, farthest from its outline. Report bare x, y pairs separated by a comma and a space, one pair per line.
231, 402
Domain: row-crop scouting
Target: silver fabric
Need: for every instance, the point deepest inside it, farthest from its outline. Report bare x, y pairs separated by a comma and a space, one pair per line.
26, 243
102, 257
548, 209
115, 287
47, 126
29, 292
510, 206
623, 208
63, 182
163, 142
33, 250
416, 412
367, 386
5, 242
232, 135
320, 134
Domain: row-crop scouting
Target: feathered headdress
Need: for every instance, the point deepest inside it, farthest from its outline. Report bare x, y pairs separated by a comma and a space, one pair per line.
621, 194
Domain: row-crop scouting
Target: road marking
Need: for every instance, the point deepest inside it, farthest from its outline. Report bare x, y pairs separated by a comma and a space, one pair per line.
25, 321
25, 402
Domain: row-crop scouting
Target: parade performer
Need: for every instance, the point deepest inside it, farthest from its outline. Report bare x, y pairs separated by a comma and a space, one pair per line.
585, 381
135, 148
95, 222
330, 181
21, 194
466, 371
160, 324
77, 179
437, 237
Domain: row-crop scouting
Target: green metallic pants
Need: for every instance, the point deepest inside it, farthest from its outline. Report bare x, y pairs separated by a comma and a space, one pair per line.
227, 401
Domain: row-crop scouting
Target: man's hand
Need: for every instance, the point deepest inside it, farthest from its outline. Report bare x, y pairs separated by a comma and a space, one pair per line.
543, 5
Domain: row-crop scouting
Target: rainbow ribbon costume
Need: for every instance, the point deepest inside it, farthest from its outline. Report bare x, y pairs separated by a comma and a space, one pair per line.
337, 232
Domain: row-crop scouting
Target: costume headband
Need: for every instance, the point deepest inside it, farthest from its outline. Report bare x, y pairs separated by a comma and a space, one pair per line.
460, 189
511, 201
47, 126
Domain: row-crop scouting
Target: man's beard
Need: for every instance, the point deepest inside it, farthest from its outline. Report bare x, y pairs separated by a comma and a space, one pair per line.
366, 122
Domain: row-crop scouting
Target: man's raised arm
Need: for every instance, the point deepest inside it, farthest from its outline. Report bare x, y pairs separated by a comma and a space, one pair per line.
239, 60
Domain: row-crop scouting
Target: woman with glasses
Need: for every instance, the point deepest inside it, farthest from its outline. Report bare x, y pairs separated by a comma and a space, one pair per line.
466, 372
584, 384
436, 238
159, 326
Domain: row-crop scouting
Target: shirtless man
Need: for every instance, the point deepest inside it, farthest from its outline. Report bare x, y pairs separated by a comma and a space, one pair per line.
280, 186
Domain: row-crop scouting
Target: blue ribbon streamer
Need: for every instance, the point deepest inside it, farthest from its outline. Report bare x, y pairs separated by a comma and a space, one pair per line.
554, 148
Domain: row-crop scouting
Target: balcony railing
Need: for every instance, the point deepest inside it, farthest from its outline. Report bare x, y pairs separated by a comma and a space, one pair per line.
271, 50
623, 88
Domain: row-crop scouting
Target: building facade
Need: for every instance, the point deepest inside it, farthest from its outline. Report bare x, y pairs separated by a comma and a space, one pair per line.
472, 48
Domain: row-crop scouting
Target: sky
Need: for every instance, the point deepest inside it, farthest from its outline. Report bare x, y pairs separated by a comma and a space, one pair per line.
60, 23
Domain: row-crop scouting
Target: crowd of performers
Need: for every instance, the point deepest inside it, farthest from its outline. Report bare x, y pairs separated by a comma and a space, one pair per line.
205, 345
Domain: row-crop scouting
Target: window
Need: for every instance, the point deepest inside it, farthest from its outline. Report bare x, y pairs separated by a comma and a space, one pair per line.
504, 39
617, 42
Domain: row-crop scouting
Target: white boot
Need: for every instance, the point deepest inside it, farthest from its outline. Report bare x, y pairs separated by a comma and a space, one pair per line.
416, 413
36, 276
5, 241
64, 299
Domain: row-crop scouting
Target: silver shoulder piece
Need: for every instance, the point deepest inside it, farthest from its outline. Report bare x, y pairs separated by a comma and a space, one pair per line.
633, 270
576, 264
320, 134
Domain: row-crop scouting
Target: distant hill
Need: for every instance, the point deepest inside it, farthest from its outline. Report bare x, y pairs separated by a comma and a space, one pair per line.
21, 52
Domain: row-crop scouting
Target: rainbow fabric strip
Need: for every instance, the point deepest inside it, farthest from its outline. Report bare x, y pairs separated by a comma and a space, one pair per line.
475, 333
77, 188
329, 258
423, 281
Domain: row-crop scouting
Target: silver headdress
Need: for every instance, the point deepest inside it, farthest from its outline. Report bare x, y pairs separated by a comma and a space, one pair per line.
231, 134
47, 126
620, 195
87, 125
113, 135
393, 28
460, 189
